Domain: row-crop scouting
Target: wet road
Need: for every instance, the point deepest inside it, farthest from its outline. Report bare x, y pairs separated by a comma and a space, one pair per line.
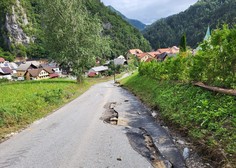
76, 136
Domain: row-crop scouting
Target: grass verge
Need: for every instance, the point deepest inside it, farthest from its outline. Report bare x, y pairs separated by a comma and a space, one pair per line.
21, 103
208, 118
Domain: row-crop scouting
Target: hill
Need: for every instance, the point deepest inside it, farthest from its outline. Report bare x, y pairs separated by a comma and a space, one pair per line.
136, 23
193, 21
21, 32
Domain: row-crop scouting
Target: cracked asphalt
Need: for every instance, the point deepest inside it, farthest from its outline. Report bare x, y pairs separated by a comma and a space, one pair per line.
76, 136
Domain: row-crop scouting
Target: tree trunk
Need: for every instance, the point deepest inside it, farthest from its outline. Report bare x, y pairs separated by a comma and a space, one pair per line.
216, 89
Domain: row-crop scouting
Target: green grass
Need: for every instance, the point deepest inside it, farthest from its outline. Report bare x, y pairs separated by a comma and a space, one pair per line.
21, 103
208, 118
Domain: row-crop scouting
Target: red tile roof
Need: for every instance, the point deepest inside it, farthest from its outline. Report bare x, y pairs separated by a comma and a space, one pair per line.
135, 51
154, 53
54, 75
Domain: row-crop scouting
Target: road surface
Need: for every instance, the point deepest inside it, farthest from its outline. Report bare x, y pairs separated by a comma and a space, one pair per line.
76, 136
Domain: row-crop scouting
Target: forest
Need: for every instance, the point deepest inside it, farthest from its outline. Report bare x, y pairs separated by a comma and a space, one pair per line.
193, 22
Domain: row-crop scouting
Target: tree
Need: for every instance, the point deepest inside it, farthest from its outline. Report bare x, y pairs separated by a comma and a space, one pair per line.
183, 44
73, 36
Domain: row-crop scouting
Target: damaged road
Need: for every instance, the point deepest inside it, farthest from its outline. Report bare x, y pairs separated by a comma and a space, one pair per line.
105, 127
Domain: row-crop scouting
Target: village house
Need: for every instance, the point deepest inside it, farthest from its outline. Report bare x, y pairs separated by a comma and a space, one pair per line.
145, 57
120, 60
39, 73
5, 73
163, 53
134, 52
23, 68
97, 70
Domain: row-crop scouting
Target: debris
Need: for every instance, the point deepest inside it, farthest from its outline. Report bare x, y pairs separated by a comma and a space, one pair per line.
186, 153
180, 142
119, 159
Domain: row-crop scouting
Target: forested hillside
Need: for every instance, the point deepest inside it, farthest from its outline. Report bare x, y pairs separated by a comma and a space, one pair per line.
21, 32
136, 23
194, 22
123, 35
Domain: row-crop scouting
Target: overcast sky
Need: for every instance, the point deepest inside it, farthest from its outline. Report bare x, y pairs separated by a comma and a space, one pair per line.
148, 11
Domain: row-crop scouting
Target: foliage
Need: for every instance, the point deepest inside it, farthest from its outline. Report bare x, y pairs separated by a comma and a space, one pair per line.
123, 36
6, 55
208, 118
183, 44
214, 64
194, 21
72, 35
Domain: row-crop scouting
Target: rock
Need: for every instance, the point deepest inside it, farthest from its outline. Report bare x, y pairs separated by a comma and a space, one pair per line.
114, 119
186, 153
180, 142
119, 159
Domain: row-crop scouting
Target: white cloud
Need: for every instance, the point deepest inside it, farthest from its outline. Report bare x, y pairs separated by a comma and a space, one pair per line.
148, 11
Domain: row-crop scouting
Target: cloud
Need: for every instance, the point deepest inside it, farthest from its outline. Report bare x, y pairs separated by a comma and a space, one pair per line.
149, 11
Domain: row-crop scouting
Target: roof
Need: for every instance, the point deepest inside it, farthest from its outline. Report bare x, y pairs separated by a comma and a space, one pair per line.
153, 54
100, 68
54, 75
35, 72
135, 51
25, 66
48, 69
143, 55
92, 74
208, 34
120, 60
5, 70
162, 56
13, 65
172, 50
2, 60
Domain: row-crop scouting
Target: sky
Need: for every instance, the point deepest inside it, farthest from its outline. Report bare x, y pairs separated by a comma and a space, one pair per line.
148, 11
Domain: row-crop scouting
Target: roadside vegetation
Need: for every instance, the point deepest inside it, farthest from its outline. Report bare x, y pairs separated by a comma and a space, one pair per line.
208, 118
21, 103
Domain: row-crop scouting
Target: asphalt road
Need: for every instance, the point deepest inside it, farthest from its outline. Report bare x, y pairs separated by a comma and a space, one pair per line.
75, 135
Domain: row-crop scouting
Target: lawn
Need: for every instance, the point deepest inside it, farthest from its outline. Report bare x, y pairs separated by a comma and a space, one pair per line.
21, 103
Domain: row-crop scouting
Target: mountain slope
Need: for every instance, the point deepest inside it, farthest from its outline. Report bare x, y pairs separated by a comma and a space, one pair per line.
136, 23
22, 35
194, 22
123, 35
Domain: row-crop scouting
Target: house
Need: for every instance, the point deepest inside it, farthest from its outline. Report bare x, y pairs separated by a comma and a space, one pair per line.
162, 57
163, 53
23, 68
153, 53
6, 73
145, 57
135, 51
40, 73
97, 70
120, 60
172, 50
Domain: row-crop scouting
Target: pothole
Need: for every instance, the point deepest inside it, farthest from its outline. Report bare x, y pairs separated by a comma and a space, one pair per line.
110, 116
143, 143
